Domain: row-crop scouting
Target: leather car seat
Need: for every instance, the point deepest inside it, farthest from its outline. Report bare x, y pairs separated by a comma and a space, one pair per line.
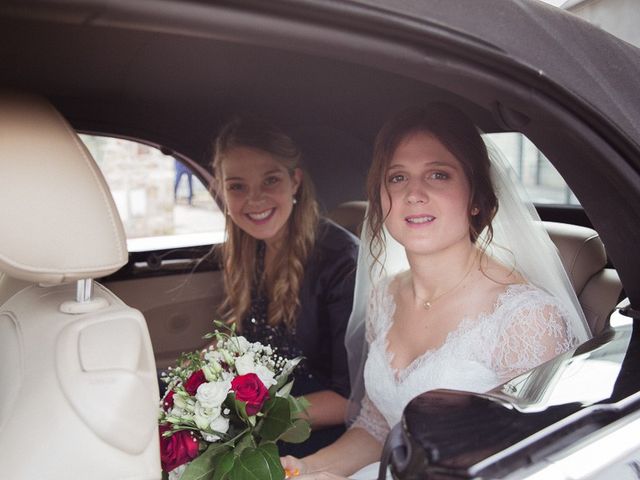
584, 258
350, 215
9, 286
79, 389
581, 250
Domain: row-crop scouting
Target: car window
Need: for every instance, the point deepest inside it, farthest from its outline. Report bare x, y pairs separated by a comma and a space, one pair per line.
162, 203
541, 180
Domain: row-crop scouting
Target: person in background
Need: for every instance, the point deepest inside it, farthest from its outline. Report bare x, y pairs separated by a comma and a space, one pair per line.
288, 273
182, 170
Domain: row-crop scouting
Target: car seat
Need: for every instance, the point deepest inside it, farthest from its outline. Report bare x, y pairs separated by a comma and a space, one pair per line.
79, 391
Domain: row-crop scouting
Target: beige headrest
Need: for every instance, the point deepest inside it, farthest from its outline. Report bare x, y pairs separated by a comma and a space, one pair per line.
58, 221
581, 250
350, 215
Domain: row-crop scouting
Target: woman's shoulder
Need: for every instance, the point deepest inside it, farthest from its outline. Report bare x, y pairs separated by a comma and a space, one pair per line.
332, 236
527, 308
385, 290
334, 244
392, 284
512, 291
520, 295
532, 327
333, 258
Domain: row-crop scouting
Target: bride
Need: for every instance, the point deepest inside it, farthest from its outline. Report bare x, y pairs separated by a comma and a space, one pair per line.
484, 297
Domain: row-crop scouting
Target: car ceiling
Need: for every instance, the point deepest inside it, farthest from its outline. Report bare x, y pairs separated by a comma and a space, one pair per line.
174, 90
170, 72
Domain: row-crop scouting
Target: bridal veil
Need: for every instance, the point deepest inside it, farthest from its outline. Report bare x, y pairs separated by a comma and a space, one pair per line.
520, 241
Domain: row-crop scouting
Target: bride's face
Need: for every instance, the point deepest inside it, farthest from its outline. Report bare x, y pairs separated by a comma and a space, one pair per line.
425, 193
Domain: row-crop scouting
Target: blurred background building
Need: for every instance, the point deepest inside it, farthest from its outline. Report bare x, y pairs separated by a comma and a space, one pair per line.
618, 17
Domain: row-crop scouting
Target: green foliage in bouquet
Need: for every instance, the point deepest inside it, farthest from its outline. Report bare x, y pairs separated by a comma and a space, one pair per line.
225, 409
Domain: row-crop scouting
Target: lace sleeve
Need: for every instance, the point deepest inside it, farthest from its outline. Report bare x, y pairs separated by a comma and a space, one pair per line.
377, 310
371, 420
534, 331
369, 330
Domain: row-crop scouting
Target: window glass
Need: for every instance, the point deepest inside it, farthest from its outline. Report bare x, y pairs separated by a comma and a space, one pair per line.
162, 203
541, 180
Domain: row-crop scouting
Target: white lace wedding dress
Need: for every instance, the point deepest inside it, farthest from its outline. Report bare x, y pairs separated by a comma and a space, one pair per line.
526, 327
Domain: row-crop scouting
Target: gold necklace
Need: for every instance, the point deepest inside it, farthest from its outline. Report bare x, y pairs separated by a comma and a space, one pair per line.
426, 303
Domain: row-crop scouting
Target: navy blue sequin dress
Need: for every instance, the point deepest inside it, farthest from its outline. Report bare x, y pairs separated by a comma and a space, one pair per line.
326, 299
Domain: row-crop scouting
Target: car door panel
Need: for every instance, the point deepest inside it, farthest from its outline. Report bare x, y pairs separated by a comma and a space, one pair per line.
179, 309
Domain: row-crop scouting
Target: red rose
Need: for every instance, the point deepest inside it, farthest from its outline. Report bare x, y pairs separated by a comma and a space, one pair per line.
249, 388
179, 448
194, 381
167, 401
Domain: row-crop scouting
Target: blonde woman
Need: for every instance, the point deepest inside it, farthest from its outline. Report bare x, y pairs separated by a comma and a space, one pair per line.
289, 274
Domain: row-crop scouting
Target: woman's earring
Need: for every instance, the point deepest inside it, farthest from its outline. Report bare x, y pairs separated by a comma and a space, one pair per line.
295, 200
475, 211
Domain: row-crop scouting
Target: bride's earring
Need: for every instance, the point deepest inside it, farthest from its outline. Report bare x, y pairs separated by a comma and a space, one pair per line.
475, 211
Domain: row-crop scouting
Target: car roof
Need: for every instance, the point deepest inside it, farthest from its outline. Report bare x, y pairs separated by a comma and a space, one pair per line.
576, 56
570, 57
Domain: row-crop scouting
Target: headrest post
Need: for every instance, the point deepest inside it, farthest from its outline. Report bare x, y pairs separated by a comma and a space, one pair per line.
83, 290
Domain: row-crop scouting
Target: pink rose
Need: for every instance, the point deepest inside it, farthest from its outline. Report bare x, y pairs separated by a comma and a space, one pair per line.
179, 448
194, 381
250, 389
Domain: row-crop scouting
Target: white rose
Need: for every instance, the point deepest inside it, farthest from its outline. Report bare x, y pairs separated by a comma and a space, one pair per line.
179, 400
212, 394
214, 357
241, 344
204, 416
220, 424
245, 364
265, 375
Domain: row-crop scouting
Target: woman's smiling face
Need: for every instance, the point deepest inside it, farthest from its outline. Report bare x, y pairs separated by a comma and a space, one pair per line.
258, 192
426, 195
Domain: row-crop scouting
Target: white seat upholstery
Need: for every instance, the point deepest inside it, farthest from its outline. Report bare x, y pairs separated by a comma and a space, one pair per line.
79, 389
582, 253
9, 286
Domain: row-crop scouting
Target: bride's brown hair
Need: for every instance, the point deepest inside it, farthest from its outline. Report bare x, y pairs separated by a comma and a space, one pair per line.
460, 136
239, 249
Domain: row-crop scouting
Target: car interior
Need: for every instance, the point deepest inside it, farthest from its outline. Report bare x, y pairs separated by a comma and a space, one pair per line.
102, 384
169, 78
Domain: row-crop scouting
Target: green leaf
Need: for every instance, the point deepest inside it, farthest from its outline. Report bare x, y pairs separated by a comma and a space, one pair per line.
262, 463
203, 466
298, 405
271, 454
224, 466
298, 432
282, 378
286, 390
245, 442
276, 420
240, 408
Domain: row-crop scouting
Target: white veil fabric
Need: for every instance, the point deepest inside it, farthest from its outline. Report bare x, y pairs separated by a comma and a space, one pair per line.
520, 241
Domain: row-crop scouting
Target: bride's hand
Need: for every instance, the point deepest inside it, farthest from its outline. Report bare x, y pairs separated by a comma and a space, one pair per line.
293, 466
321, 476
296, 469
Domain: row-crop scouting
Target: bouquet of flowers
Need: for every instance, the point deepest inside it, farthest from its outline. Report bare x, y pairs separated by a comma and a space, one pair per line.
224, 410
